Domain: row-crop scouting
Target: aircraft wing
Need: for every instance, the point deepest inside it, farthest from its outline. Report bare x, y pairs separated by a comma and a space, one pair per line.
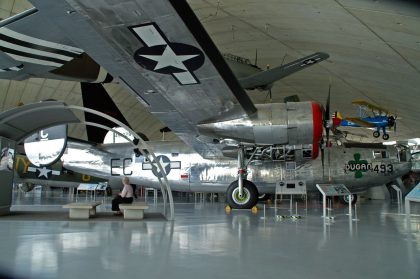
360, 122
158, 50
266, 78
370, 106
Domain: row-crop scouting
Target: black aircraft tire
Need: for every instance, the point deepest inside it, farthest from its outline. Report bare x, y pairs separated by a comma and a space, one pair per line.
249, 199
385, 136
344, 199
376, 134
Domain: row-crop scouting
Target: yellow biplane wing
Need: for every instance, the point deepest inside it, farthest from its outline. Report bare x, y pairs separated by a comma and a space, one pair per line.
372, 107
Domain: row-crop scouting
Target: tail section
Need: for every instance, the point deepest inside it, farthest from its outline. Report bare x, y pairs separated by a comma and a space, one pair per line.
97, 98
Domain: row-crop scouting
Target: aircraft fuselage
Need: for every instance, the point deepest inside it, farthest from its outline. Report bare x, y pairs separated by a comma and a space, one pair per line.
357, 168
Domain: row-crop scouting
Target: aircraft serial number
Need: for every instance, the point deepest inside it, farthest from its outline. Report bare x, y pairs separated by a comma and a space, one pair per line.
381, 168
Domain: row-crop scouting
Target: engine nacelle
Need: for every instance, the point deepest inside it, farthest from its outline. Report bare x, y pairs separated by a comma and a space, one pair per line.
273, 124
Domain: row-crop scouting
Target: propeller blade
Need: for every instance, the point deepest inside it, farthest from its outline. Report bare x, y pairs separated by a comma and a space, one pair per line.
322, 157
327, 116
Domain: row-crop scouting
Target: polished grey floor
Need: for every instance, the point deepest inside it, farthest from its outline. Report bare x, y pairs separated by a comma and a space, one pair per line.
206, 242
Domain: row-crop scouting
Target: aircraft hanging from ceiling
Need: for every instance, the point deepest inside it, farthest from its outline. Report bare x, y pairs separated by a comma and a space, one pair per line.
53, 175
370, 116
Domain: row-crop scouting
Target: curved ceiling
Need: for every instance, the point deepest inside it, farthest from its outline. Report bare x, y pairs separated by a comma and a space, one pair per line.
374, 49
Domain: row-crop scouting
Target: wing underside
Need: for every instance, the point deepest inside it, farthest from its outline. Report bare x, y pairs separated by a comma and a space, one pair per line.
160, 52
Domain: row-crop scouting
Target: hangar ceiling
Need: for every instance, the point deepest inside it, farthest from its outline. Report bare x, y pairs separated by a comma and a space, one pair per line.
374, 49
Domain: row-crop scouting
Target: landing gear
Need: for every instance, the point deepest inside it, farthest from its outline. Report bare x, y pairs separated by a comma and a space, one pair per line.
376, 134
247, 200
242, 194
385, 136
345, 199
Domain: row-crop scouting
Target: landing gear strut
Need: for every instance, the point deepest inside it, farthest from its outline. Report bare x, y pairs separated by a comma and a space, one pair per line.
242, 194
241, 171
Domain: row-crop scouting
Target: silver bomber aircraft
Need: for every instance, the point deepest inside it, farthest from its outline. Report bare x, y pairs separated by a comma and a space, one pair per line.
162, 54
358, 166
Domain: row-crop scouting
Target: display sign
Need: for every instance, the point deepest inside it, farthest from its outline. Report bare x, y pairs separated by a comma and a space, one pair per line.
414, 194
87, 187
45, 147
334, 189
6, 158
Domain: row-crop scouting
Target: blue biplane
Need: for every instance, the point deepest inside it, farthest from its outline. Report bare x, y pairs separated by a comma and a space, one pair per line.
379, 119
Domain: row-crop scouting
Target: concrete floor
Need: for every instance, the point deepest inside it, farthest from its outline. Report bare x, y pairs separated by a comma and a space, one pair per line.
206, 242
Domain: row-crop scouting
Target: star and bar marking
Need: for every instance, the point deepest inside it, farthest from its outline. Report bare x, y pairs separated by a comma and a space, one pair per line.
162, 56
165, 162
43, 172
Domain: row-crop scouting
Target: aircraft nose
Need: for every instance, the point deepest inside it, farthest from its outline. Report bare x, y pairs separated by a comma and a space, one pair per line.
391, 121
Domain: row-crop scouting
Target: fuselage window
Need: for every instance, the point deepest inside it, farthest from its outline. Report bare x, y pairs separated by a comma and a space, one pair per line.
384, 154
377, 154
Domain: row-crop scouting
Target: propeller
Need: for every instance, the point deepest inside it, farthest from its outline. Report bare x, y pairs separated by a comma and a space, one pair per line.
326, 122
392, 122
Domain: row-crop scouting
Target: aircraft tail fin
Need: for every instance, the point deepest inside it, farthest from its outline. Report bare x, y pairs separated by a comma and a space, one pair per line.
97, 98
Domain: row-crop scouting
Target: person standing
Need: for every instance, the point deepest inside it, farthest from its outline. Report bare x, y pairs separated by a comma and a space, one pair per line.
126, 196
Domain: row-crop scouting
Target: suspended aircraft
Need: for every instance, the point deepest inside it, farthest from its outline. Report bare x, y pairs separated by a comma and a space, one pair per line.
54, 175
379, 119
162, 54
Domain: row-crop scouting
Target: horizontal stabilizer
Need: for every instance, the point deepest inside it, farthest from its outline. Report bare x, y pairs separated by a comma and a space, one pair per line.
264, 79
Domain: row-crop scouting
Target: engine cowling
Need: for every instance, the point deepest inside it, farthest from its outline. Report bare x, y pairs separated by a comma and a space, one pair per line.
273, 124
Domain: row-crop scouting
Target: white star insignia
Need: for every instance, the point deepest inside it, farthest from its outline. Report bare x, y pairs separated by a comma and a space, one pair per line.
43, 172
169, 58
163, 164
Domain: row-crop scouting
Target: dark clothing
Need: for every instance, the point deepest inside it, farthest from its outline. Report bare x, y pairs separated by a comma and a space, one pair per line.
118, 200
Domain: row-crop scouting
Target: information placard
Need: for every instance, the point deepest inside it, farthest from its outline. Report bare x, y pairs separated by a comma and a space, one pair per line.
332, 190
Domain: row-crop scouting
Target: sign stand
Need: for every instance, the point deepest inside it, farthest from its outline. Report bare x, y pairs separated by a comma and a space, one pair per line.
292, 187
399, 194
413, 196
333, 190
